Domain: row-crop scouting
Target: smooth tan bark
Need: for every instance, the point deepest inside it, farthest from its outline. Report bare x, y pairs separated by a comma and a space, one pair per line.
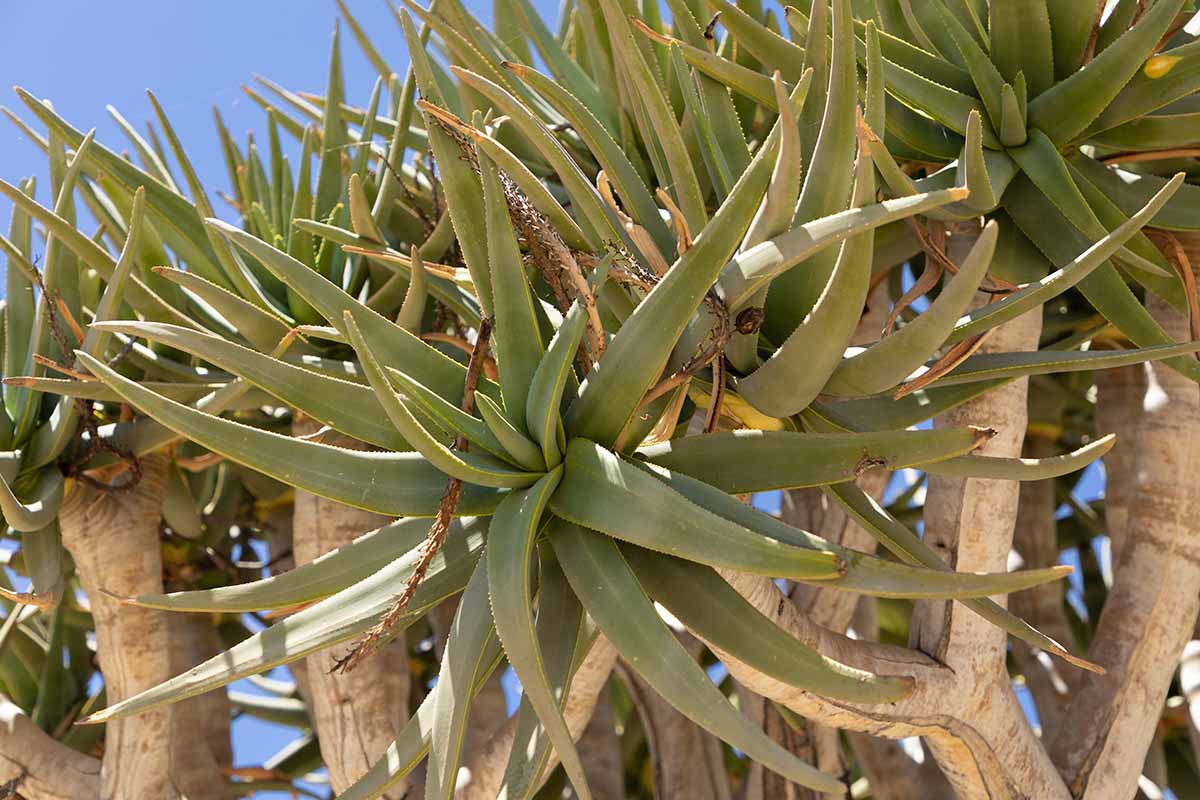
356, 714
1150, 613
1035, 538
686, 760
484, 767
600, 752
975, 727
201, 750
37, 767
113, 538
1119, 400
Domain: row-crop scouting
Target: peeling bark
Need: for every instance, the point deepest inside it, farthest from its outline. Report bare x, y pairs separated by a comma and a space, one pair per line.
37, 767
1151, 611
114, 540
359, 713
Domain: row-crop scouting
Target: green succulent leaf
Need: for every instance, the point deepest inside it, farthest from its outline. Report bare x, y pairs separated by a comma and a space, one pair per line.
890, 360
567, 637
601, 491
351, 408
542, 418
386, 483
710, 607
1066, 109
327, 574
465, 661
336, 619
757, 461
510, 549
1023, 469
45, 498
466, 466
612, 595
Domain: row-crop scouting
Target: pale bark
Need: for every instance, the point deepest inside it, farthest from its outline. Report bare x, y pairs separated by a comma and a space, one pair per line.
1120, 395
114, 540
1035, 539
201, 750
1151, 611
37, 767
686, 760
893, 774
486, 765
359, 713
600, 752
971, 720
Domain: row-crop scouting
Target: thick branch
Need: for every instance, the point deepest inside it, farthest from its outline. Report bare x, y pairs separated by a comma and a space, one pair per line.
600, 752
357, 714
976, 727
1151, 611
1035, 538
114, 540
37, 767
686, 760
1120, 393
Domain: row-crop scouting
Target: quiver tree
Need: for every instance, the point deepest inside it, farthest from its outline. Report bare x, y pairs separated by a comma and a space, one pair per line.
500, 364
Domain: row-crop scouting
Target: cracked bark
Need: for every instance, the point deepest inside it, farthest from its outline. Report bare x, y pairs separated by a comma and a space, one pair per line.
357, 714
114, 540
1151, 611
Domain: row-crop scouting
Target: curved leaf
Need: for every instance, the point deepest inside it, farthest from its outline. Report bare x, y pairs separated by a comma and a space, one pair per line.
757, 461
510, 549
890, 360
400, 484
327, 574
1023, 469
709, 607
602, 492
338, 618
618, 603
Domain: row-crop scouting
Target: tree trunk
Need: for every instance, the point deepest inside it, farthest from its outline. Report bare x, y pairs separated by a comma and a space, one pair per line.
1150, 613
686, 760
600, 752
114, 540
356, 714
1036, 540
201, 751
